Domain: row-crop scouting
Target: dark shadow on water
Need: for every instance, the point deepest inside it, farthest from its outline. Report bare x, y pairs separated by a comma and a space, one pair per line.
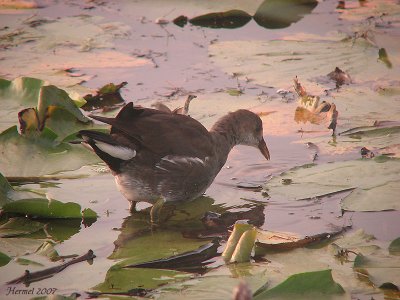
271, 14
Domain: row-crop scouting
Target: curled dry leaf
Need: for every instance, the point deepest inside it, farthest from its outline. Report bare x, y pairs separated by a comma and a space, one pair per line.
311, 110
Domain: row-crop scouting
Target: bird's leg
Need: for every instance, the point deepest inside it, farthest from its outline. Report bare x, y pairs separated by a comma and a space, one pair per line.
132, 207
156, 211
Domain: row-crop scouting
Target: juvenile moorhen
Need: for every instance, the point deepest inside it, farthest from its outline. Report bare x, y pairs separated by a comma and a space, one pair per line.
159, 156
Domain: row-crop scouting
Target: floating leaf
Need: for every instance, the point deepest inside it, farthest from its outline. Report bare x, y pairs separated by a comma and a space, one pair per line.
16, 95
316, 285
19, 246
5, 189
217, 284
43, 208
19, 226
394, 247
187, 261
4, 259
37, 156
151, 246
122, 280
271, 63
379, 269
374, 183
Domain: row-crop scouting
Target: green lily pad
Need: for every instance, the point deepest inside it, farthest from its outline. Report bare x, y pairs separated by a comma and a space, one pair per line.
24, 156
122, 280
316, 285
5, 189
151, 246
374, 183
19, 227
16, 95
43, 208
4, 259
394, 247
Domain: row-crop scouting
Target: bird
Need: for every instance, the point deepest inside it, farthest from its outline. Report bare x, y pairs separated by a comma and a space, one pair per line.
159, 157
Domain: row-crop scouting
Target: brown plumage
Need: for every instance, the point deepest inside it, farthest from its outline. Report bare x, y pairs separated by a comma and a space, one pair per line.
155, 154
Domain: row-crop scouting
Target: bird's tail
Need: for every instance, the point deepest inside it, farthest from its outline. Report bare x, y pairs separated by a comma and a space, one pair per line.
108, 149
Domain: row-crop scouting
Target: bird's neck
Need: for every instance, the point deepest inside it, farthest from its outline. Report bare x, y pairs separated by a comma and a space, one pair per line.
224, 134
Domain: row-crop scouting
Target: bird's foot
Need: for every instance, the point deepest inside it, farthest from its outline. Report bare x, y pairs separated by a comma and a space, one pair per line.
155, 211
132, 207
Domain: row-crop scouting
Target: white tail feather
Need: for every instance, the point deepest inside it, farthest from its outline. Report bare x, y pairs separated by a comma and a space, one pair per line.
120, 152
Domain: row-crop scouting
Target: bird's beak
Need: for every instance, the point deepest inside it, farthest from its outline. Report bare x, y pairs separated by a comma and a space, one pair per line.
264, 149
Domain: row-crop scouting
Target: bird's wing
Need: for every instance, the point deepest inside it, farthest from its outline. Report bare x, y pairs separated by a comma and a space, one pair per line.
187, 174
162, 133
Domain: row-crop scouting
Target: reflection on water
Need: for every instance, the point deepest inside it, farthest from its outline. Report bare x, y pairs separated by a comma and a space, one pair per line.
271, 14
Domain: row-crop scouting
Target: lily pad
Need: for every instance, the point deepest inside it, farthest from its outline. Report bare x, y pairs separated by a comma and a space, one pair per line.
217, 284
394, 247
65, 43
19, 227
122, 280
38, 156
379, 269
43, 208
316, 285
19, 246
273, 63
4, 259
16, 95
151, 246
374, 183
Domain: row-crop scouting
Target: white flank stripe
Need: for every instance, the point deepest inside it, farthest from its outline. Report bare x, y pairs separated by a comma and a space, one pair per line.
182, 159
120, 152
